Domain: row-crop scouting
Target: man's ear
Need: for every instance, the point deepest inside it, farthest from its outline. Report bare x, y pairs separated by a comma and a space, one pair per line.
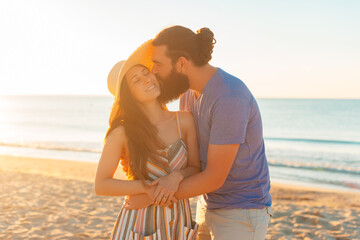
181, 65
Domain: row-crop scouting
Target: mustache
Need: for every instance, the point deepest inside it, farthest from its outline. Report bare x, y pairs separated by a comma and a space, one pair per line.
173, 86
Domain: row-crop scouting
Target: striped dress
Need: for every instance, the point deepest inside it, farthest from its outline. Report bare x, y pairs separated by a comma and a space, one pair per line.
156, 222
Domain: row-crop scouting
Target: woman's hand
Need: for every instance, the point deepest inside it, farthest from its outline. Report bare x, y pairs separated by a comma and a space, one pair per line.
166, 188
137, 201
142, 200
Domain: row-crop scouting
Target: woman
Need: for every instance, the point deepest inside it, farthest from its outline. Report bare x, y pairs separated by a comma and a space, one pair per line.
151, 143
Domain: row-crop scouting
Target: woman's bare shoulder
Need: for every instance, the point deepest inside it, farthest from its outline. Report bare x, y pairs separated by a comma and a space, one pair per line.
186, 119
185, 115
117, 134
120, 130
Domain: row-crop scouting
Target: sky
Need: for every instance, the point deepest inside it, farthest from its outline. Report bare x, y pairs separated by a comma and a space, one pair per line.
279, 48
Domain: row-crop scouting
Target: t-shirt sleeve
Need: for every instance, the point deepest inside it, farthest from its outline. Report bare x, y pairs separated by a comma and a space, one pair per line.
229, 120
184, 101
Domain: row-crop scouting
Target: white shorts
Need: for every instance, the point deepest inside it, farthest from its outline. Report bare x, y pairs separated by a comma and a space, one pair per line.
239, 223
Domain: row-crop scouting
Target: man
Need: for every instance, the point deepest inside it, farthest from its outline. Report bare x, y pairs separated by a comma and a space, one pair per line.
236, 203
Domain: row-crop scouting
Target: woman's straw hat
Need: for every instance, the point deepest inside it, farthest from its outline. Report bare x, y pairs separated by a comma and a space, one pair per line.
142, 56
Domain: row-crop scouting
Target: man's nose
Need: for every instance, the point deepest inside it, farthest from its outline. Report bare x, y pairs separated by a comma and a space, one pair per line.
154, 70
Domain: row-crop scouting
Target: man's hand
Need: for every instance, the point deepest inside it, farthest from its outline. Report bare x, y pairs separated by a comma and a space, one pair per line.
166, 188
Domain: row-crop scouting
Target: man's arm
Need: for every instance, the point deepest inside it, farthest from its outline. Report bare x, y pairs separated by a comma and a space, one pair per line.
219, 162
228, 128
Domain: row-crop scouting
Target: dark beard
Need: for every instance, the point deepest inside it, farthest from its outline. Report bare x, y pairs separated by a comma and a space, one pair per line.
173, 86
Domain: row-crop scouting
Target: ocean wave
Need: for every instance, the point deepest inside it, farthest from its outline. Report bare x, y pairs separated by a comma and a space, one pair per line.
326, 141
316, 167
49, 146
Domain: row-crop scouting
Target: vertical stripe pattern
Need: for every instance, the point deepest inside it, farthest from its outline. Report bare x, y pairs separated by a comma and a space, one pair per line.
156, 222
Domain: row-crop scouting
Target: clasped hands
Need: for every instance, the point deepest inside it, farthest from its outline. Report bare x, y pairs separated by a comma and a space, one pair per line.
159, 192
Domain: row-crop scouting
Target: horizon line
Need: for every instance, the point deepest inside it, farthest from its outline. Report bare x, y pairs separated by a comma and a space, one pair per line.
109, 95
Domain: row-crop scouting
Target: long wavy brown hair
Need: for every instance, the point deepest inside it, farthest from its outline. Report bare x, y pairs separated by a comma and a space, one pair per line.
142, 135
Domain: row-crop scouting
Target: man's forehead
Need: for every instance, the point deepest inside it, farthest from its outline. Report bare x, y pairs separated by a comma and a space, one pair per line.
159, 53
160, 48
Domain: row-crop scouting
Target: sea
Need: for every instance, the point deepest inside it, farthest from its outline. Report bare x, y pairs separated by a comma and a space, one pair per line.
309, 142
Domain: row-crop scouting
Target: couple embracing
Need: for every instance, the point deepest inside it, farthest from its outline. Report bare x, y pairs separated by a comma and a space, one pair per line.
213, 147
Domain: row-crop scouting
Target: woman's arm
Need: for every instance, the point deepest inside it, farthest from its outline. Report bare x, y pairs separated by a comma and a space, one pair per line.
105, 184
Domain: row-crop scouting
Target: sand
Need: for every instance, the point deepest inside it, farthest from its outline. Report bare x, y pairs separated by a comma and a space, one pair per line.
54, 199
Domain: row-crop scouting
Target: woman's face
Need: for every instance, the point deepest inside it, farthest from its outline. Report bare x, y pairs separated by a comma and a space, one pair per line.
142, 83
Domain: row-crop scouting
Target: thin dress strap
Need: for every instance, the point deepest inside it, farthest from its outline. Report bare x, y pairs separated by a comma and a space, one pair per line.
178, 124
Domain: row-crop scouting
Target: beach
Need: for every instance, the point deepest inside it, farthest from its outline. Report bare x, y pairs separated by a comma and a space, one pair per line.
55, 199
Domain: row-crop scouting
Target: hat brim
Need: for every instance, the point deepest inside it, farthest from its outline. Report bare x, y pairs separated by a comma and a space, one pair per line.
141, 56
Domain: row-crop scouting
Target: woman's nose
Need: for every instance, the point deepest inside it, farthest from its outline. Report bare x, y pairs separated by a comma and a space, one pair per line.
146, 80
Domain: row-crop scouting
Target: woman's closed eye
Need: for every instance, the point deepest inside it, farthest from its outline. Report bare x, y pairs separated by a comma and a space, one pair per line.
136, 79
145, 71
138, 76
